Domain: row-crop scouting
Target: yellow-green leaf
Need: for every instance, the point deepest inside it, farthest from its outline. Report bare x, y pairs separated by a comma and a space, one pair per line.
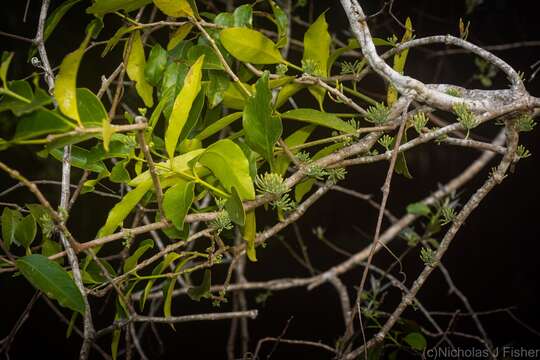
229, 164
174, 8
135, 69
65, 90
250, 233
177, 201
179, 164
317, 50
319, 118
122, 209
250, 46
179, 35
399, 62
182, 105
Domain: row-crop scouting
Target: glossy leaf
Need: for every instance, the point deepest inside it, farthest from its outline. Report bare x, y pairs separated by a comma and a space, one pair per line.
220, 158
418, 208
202, 290
91, 110
65, 90
399, 62
218, 125
243, 16
81, 158
177, 201
282, 23
235, 208
122, 209
317, 50
10, 219
178, 35
262, 127
135, 69
6, 60
287, 92
319, 118
102, 7
250, 234
174, 8
167, 303
182, 106
133, 259
250, 46
113, 41
164, 264
49, 277
179, 164
317, 45
416, 340
26, 230
155, 66
41, 122
17, 106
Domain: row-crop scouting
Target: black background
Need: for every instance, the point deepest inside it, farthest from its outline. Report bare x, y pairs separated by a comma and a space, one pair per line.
493, 259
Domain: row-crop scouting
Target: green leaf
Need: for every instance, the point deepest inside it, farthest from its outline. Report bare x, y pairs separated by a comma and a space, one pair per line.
235, 208
167, 303
115, 342
215, 88
31, 102
132, 261
135, 69
250, 46
91, 110
49, 248
250, 234
317, 45
229, 164
174, 8
81, 158
319, 118
399, 62
218, 125
25, 233
113, 41
177, 201
416, 340
282, 23
178, 35
10, 220
317, 50
179, 164
155, 66
164, 264
51, 279
122, 209
211, 60
243, 16
102, 7
119, 174
287, 92
182, 106
297, 138
41, 122
202, 290
65, 90
6, 60
263, 129
418, 208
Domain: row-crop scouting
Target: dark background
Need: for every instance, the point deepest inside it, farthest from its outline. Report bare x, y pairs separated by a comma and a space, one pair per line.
493, 259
